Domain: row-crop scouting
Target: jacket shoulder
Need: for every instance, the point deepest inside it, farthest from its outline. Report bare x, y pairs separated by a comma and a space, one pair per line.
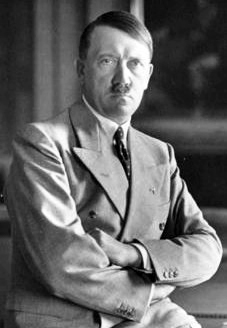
149, 139
57, 130
161, 151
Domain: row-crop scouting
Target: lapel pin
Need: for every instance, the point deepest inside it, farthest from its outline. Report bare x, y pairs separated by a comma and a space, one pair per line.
152, 189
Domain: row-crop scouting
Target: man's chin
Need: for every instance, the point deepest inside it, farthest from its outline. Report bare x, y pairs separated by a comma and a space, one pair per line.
124, 111
122, 105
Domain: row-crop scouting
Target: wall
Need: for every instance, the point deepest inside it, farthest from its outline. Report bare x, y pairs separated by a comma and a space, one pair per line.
16, 77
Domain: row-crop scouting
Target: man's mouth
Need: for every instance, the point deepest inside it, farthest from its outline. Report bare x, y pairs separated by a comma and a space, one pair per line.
121, 95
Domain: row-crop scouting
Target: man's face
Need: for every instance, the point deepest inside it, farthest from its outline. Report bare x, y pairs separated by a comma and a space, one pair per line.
115, 73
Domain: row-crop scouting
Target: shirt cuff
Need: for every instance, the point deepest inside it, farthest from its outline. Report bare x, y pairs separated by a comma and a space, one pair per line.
151, 294
147, 264
108, 321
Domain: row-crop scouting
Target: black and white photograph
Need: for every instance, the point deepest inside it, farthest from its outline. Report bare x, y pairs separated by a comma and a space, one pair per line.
113, 157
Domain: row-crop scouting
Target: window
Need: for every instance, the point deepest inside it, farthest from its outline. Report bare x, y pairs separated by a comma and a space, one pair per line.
186, 102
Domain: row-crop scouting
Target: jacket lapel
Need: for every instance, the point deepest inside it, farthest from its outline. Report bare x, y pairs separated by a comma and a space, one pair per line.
95, 151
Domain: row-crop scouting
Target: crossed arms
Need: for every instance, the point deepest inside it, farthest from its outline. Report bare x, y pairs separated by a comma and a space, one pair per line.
86, 267
126, 255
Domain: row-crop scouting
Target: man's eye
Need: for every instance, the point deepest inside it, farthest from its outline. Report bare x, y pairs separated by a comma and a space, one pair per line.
135, 63
107, 61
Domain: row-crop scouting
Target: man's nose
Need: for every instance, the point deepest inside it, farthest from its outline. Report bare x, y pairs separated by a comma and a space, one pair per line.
121, 74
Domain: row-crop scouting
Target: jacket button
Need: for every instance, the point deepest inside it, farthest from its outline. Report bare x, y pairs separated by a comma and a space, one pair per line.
92, 214
166, 274
152, 189
170, 274
162, 226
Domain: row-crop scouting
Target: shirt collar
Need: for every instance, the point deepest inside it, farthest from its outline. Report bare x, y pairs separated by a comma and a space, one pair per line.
107, 124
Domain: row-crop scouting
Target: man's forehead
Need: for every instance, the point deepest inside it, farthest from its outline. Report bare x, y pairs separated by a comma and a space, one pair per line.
104, 36
103, 30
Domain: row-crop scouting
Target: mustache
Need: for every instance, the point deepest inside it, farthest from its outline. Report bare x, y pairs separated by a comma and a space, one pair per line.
122, 88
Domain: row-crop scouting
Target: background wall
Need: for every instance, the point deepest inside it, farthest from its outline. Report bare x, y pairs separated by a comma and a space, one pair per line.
16, 75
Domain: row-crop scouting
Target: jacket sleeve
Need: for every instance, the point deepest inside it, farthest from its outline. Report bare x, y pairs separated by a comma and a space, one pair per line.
51, 238
189, 251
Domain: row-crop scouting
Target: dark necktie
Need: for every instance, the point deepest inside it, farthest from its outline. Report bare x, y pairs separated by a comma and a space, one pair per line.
122, 152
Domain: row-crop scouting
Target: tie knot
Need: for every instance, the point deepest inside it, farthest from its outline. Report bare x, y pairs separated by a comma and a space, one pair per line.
119, 134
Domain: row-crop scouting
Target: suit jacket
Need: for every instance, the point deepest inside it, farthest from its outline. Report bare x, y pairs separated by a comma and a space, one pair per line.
66, 180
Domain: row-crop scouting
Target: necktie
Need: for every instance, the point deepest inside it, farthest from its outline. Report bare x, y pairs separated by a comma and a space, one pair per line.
122, 152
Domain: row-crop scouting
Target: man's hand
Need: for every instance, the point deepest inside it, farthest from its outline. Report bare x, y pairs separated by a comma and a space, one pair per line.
118, 253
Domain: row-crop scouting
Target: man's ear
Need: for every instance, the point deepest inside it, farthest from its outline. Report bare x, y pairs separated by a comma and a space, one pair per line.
150, 72
80, 66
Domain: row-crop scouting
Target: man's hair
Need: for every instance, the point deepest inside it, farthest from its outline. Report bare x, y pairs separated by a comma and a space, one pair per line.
121, 20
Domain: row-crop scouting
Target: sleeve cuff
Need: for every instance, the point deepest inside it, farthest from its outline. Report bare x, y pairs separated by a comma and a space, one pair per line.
108, 321
146, 261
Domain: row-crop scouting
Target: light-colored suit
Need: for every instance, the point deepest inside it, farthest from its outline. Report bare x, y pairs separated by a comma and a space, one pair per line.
65, 180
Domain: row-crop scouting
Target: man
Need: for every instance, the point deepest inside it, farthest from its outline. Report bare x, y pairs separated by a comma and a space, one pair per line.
104, 229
